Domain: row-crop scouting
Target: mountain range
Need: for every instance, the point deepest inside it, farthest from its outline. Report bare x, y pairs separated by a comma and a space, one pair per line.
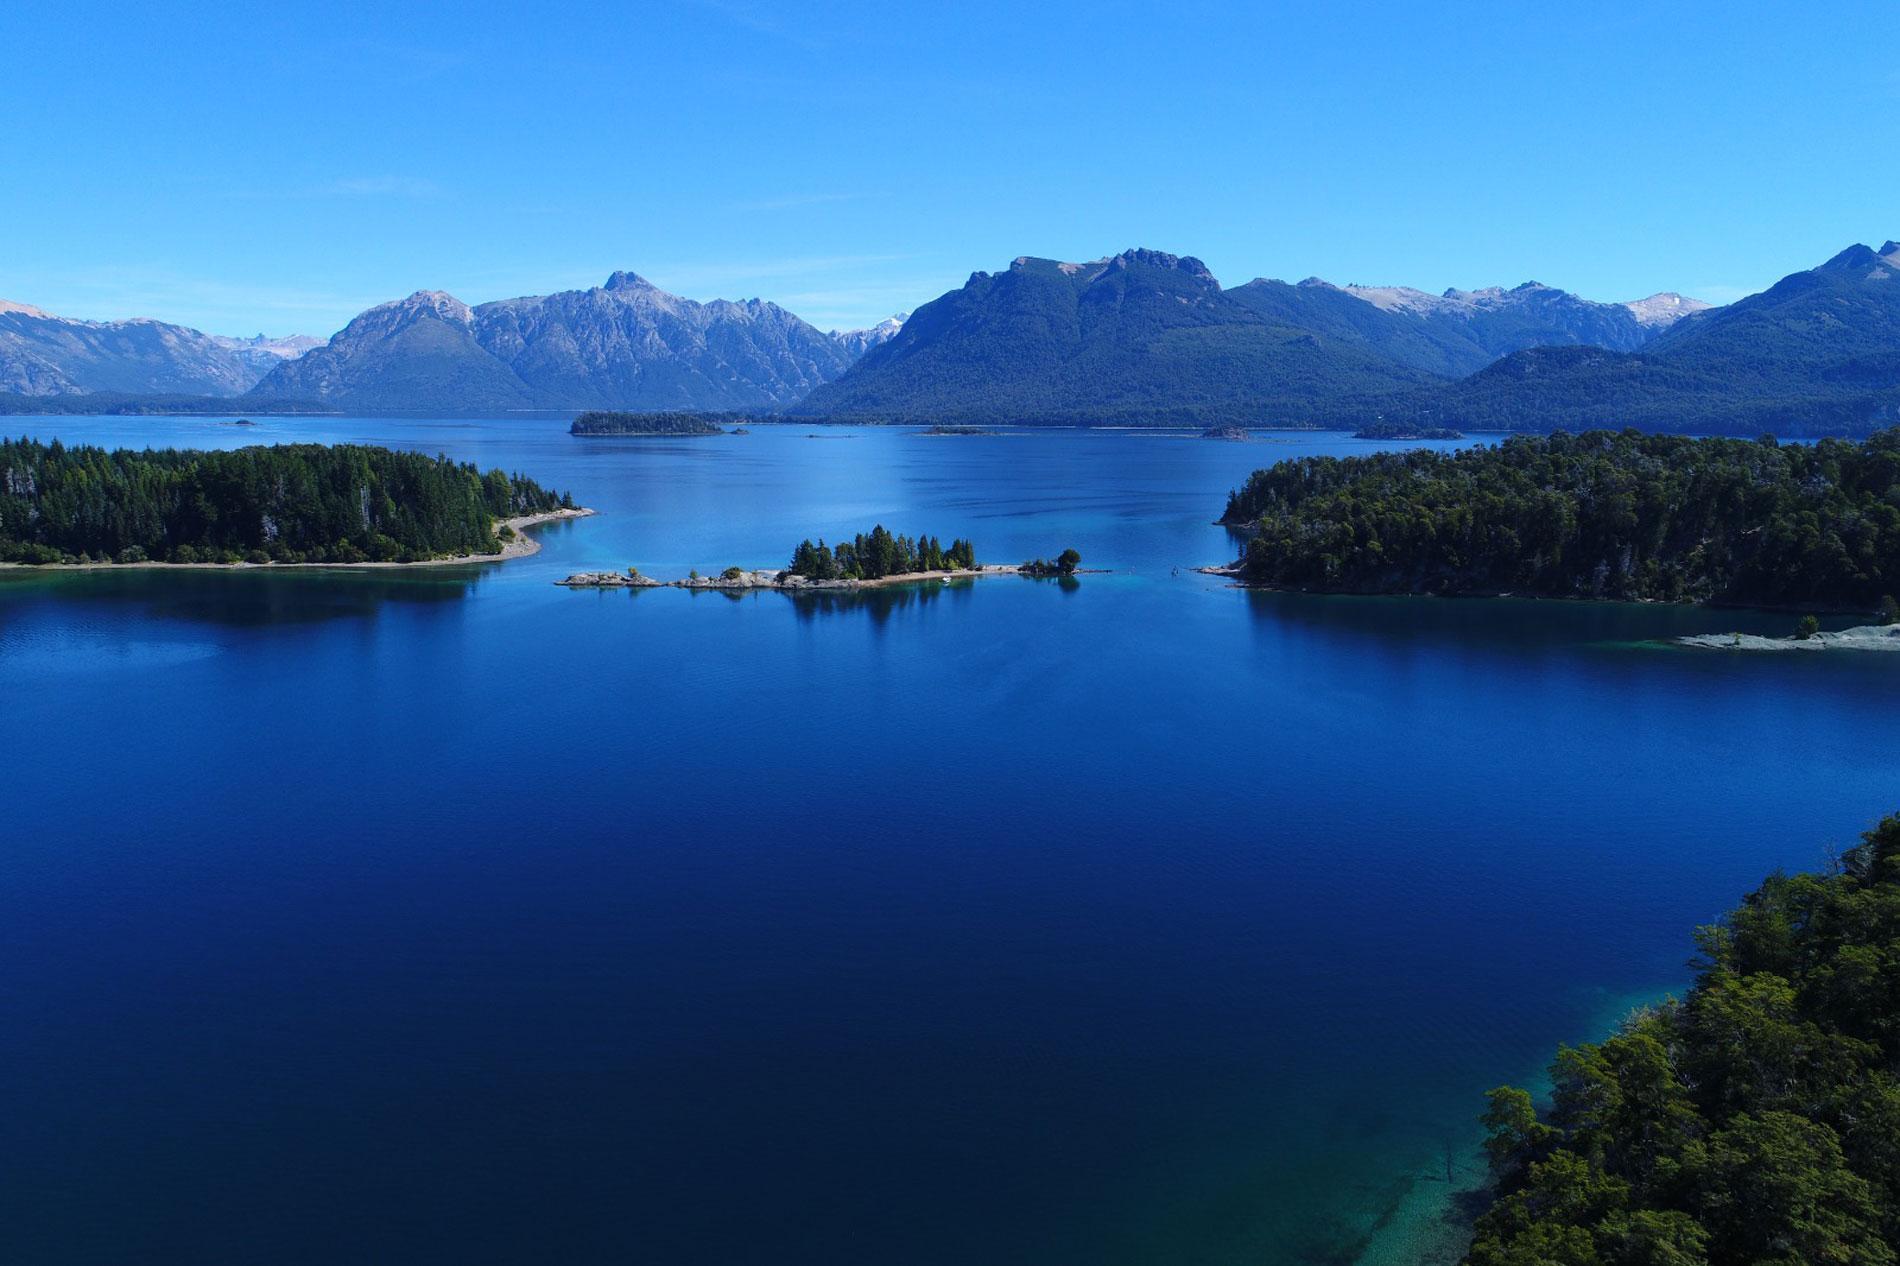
626, 344
1138, 337
46, 355
1149, 336
1818, 352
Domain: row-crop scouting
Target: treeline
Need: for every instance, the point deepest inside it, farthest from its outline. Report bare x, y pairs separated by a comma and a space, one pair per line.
611, 422
1755, 1122
1604, 514
297, 503
127, 403
878, 555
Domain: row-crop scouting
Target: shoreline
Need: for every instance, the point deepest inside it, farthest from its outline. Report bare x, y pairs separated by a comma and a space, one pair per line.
1233, 571
522, 546
1865, 637
766, 578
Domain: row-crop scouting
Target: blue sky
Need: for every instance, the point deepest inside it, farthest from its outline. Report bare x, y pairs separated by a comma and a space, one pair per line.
278, 168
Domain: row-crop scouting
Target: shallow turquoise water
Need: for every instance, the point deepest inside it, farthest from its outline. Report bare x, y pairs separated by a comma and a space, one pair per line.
452, 916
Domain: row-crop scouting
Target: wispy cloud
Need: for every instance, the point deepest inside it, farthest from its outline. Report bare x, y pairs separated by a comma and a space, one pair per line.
383, 186
761, 20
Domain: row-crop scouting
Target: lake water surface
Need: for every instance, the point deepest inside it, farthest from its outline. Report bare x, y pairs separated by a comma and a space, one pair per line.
451, 916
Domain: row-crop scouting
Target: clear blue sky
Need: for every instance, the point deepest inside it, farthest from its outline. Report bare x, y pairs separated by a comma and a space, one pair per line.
279, 167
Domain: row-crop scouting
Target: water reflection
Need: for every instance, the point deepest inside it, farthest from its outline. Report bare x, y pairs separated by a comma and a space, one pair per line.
878, 605
248, 597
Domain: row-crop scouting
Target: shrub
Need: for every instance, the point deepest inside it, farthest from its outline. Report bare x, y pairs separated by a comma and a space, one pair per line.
1807, 628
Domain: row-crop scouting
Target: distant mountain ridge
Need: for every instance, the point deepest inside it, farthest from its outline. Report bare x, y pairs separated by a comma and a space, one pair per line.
1139, 336
625, 344
857, 342
1817, 352
46, 355
1033, 341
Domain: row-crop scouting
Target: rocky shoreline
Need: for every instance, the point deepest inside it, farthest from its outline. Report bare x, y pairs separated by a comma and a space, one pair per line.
734, 579
1866, 637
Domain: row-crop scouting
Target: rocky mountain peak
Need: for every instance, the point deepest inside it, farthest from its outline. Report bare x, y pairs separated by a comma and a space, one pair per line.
1659, 311
437, 302
1161, 259
622, 280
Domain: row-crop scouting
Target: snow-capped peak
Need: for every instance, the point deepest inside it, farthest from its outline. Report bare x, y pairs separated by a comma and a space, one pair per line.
1660, 311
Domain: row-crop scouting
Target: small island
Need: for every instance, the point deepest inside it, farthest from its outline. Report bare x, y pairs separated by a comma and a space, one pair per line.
1233, 434
1623, 516
602, 422
1405, 431
290, 504
868, 560
952, 428
1064, 565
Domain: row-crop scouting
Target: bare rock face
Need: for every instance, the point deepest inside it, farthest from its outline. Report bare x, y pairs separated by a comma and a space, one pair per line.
628, 579
46, 355
624, 345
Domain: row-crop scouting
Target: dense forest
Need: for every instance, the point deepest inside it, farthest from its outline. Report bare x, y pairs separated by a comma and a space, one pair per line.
608, 422
293, 503
878, 555
1756, 1122
138, 404
1603, 515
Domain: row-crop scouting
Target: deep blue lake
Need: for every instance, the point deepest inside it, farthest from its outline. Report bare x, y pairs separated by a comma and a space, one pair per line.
451, 916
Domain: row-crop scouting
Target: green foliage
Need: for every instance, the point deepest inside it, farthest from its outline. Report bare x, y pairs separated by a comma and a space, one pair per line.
1604, 514
605, 422
1806, 628
1065, 564
880, 554
1755, 1122
1389, 430
732, 573
291, 503
1889, 609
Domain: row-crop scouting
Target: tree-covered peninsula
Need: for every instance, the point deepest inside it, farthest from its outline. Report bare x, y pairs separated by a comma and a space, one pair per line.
880, 555
295, 503
1754, 1123
1604, 514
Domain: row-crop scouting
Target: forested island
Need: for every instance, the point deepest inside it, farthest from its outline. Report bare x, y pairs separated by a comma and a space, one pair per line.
1756, 1121
296, 503
605, 422
867, 560
1620, 515
878, 556
1383, 430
